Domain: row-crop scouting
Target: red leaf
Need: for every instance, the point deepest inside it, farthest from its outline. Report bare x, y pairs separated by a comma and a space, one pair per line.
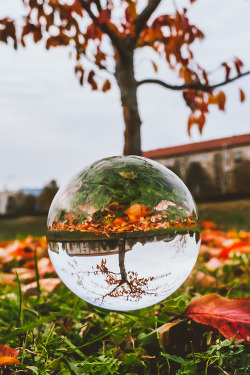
238, 64
106, 86
8, 356
242, 96
229, 316
228, 69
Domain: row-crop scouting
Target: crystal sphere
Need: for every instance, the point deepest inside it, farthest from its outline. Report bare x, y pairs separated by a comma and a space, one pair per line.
123, 233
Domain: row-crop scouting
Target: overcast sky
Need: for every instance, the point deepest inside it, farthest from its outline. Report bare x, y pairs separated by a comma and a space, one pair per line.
50, 126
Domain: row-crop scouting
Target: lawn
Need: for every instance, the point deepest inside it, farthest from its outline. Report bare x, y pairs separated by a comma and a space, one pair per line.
52, 331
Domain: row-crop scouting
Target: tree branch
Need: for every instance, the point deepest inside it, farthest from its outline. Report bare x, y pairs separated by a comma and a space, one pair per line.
104, 28
143, 17
98, 5
198, 86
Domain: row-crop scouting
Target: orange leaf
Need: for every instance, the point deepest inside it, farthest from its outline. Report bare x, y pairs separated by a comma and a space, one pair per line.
221, 100
77, 7
155, 66
136, 211
106, 86
242, 96
208, 225
8, 356
229, 316
59, 40
130, 12
46, 284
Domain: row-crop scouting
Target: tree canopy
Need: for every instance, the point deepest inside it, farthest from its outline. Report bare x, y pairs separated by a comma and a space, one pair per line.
107, 33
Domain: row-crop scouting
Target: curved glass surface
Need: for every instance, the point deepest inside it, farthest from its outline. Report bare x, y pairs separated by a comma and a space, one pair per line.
123, 233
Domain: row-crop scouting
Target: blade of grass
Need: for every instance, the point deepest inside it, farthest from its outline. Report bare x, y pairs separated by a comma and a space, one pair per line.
20, 315
37, 274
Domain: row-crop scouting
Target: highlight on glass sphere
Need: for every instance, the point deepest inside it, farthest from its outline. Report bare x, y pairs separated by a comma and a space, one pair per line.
123, 233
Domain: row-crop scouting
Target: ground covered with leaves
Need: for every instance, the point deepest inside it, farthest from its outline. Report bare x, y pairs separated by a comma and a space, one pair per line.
203, 328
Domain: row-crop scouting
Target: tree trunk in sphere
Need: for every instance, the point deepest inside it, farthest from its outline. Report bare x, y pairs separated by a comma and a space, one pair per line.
128, 88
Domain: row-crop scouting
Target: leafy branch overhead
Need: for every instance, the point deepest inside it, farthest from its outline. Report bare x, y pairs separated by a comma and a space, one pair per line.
106, 35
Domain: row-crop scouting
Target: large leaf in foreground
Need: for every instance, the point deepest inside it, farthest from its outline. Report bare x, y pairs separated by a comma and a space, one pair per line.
8, 356
229, 316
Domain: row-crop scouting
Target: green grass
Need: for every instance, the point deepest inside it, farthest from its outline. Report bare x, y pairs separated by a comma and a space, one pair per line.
22, 227
58, 333
61, 334
227, 215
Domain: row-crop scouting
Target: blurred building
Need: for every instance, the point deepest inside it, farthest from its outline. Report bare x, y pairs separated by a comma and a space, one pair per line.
216, 167
12, 202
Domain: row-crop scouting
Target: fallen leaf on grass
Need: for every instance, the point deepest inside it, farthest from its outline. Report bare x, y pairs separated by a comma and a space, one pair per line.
204, 280
164, 333
45, 284
45, 266
7, 279
229, 316
8, 356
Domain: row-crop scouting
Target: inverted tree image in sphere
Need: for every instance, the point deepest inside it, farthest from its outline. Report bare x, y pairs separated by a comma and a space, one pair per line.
123, 233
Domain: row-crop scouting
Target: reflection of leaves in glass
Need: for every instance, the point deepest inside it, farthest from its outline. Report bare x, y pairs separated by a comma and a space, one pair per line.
109, 189
144, 184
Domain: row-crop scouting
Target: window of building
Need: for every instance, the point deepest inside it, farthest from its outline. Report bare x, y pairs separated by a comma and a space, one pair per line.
206, 157
169, 163
238, 156
248, 151
227, 154
195, 158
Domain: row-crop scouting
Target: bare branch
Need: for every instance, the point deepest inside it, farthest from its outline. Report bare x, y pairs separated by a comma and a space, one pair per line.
143, 17
115, 39
198, 86
100, 66
98, 5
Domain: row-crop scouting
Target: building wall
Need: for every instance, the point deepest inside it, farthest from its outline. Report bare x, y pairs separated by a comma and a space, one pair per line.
219, 165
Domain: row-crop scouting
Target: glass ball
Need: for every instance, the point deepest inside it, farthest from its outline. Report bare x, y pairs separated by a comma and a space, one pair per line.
123, 233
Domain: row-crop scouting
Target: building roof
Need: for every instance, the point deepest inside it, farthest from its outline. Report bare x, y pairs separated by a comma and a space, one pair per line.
198, 147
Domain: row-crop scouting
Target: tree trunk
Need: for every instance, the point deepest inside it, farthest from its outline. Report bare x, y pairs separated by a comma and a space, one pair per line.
128, 88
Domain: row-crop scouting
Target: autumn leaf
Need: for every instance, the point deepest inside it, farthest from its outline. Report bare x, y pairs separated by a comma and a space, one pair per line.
136, 211
221, 100
59, 40
106, 86
8, 356
229, 316
227, 69
47, 285
242, 96
91, 80
155, 66
238, 65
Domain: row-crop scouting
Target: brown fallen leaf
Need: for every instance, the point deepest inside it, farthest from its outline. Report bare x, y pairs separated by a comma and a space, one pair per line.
164, 333
229, 316
8, 356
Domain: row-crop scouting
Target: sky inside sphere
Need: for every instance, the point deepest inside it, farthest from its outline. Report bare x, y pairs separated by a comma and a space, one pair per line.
51, 127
